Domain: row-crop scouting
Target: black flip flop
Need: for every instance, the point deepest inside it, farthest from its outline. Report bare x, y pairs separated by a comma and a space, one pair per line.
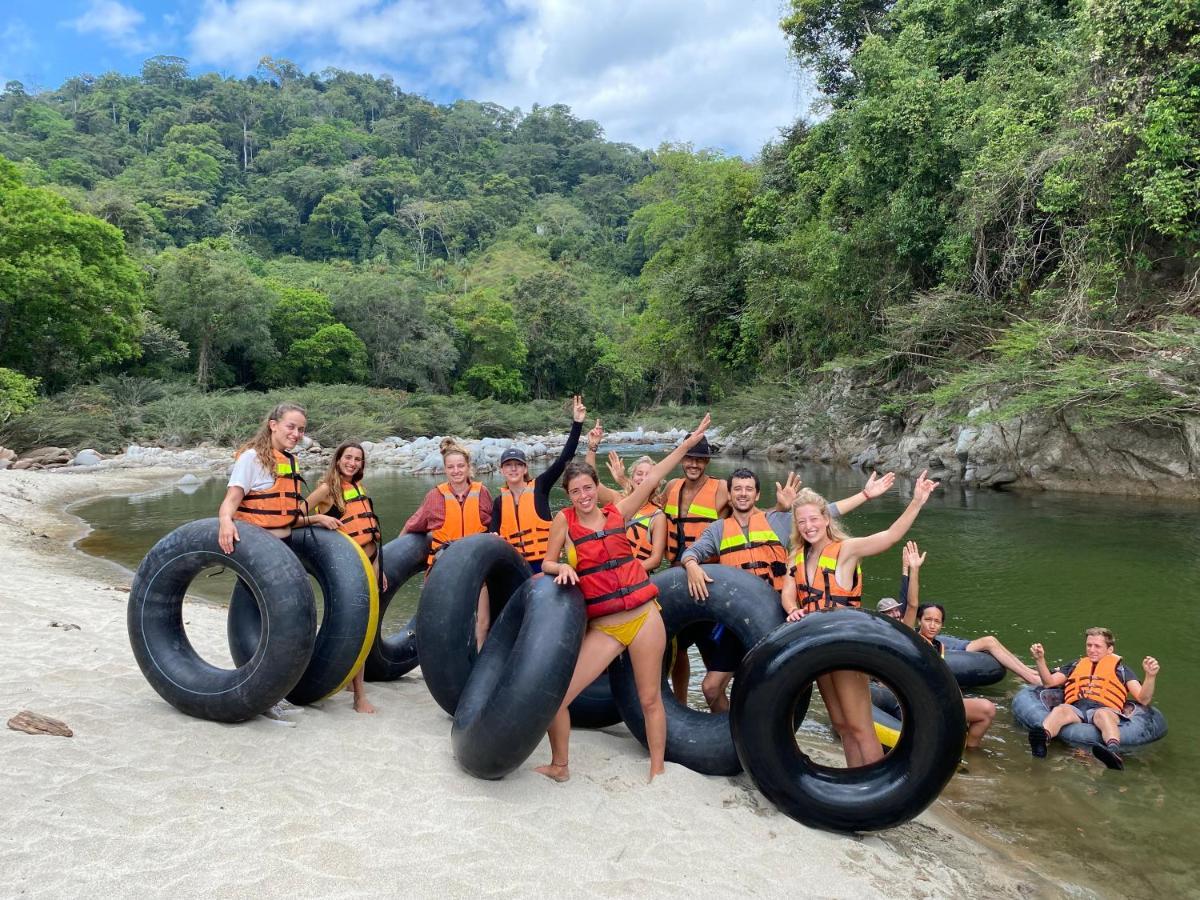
1108, 756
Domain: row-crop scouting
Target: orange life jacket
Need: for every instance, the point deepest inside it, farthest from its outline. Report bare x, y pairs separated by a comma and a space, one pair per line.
280, 505
683, 527
358, 515
521, 525
640, 531
757, 550
826, 593
1097, 681
610, 579
461, 520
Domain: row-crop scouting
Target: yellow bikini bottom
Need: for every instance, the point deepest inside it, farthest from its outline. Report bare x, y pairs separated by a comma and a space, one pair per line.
626, 631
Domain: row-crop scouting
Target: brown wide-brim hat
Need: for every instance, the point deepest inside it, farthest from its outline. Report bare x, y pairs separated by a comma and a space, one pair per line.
701, 450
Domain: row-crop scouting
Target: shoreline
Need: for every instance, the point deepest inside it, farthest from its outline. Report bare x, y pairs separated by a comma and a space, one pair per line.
144, 799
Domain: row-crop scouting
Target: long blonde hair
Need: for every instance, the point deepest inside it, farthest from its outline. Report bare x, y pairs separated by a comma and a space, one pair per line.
657, 497
261, 442
332, 479
450, 446
809, 497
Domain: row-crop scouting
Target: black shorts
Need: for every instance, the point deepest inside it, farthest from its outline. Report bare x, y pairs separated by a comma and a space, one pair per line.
1087, 710
720, 654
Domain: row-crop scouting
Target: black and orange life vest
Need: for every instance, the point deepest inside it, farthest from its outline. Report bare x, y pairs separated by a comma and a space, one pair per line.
683, 527
358, 515
640, 530
757, 550
826, 593
1097, 681
521, 526
280, 505
462, 518
610, 579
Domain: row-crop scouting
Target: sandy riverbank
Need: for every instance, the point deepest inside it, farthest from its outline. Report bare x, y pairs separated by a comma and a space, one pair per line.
145, 801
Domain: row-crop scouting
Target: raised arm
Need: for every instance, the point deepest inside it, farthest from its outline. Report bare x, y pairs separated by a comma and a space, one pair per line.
595, 436
545, 481
632, 503
912, 560
1143, 693
855, 549
1049, 679
876, 486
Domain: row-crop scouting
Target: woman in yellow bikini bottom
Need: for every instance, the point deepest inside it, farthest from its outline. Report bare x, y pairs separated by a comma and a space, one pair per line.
626, 631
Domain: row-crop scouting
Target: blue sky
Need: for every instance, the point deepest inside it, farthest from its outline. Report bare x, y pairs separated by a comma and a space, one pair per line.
714, 73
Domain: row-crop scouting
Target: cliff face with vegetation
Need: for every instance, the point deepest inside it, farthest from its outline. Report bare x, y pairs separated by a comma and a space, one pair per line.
998, 211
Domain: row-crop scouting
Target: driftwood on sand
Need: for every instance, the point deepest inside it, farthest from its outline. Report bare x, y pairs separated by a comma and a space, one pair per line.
36, 723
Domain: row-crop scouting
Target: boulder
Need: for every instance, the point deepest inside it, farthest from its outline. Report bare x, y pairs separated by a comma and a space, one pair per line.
7, 455
47, 456
87, 458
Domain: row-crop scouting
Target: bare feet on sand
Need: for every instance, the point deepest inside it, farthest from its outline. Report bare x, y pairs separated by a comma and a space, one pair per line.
655, 773
363, 705
554, 772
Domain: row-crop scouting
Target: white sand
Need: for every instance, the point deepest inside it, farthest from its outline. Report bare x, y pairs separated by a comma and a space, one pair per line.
145, 801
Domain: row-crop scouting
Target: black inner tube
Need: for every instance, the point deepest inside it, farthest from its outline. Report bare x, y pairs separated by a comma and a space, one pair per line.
775, 674
520, 678
276, 586
337, 564
394, 655
449, 602
749, 609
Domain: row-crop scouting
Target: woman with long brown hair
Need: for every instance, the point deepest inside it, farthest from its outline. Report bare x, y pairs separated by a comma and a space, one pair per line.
342, 492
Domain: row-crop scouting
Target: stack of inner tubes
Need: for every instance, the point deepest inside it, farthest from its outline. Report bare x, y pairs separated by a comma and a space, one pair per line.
275, 643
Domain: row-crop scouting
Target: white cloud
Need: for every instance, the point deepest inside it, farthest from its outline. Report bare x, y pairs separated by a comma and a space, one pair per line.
237, 33
709, 72
113, 21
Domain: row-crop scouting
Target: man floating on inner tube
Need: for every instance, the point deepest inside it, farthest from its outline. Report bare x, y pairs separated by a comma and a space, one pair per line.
1094, 691
758, 542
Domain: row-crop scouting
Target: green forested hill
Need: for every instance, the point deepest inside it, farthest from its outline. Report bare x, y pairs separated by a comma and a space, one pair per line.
999, 198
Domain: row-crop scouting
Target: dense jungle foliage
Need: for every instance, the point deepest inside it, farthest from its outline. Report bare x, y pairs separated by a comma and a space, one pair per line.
997, 198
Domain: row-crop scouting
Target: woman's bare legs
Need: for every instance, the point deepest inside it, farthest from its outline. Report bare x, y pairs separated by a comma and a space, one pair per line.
598, 650
646, 654
847, 696
358, 685
483, 619
980, 713
1006, 658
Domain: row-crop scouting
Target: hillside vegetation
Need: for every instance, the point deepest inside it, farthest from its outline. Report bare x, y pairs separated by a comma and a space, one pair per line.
999, 198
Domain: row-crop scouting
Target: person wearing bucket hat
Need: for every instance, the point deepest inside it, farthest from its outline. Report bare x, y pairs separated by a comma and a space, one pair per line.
524, 514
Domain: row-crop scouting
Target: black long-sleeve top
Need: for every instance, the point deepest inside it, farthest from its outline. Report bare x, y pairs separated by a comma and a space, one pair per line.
544, 482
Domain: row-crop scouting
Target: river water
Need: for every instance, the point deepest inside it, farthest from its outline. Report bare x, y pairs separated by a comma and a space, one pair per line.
1024, 567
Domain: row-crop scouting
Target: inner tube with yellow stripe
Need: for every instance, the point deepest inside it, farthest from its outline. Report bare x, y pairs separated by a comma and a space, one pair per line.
351, 612
882, 795
276, 587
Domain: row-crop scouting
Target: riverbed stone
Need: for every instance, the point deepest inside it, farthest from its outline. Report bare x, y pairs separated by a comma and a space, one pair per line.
87, 458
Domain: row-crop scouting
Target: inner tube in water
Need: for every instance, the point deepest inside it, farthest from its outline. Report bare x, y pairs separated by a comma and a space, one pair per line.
885, 712
749, 609
276, 586
349, 622
972, 668
1145, 724
449, 602
595, 707
520, 678
776, 672
394, 655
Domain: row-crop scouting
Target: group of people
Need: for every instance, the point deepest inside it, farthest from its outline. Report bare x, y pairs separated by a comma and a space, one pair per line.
608, 541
